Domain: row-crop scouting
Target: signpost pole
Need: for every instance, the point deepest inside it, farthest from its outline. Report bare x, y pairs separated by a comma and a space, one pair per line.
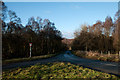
30, 51
30, 44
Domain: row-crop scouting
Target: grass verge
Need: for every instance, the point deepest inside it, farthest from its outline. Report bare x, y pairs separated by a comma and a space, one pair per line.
97, 56
60, 70
15, 60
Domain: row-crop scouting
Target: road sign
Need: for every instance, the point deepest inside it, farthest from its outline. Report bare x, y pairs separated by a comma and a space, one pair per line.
30, 44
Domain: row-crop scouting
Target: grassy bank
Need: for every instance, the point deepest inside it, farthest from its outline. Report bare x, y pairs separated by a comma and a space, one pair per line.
8, 61
55, 70
97, 56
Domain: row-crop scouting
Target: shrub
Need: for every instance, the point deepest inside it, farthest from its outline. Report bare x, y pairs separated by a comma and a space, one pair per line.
55, 70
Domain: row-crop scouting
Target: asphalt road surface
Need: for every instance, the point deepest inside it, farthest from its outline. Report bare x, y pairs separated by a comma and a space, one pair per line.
104, 66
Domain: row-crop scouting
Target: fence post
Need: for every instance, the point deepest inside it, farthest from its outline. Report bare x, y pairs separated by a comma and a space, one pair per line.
119, 54
108, 53
101, 53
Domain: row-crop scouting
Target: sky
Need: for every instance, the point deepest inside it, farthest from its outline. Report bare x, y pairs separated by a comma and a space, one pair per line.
67, 16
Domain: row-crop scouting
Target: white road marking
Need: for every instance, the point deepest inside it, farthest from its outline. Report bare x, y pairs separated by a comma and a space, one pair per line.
109, 64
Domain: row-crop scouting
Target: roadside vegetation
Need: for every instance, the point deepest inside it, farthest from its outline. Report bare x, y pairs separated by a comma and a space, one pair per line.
97, 56
15, 60
99, 41
42, 33
51, 71
46, 39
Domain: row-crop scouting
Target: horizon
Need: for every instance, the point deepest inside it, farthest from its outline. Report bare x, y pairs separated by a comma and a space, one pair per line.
67, 16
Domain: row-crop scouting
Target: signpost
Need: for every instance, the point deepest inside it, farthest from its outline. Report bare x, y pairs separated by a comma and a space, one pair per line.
30, 44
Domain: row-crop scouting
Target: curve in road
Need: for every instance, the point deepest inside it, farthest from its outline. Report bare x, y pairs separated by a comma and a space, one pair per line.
109, 67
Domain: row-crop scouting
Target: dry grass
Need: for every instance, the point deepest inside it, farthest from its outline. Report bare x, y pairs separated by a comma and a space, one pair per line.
97, 56
15, 60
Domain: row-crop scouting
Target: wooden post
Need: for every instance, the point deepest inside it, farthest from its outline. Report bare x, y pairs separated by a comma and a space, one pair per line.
101, 53
108, 53
119, 54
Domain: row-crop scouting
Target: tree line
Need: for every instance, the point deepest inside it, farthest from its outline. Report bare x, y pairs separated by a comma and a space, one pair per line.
42, 33
102, 36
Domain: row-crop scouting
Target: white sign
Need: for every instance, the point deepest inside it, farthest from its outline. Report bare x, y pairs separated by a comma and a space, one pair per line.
30, 44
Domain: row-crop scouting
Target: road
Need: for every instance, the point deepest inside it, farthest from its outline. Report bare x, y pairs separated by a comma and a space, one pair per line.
108, 67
